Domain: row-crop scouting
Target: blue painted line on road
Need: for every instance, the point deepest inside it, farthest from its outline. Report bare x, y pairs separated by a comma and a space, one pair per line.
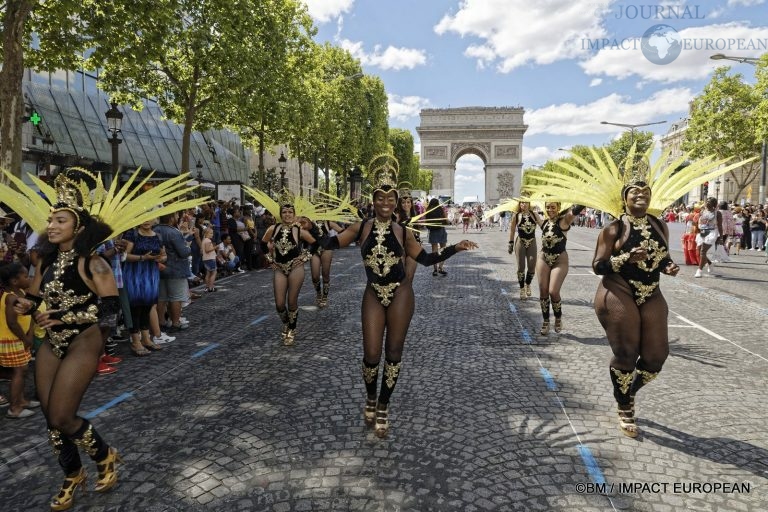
512, 308
205, 350
108, 405
593, 468
259, 320
527, 336
548, 379
503, 291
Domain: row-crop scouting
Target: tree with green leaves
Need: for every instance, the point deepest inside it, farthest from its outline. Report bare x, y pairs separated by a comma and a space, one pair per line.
65, 31
401, 142
620, 147
724, 123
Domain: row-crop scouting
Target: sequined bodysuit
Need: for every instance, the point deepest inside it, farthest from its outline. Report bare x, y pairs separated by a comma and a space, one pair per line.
383, 259
63, 289
553, 240
288, 251
319, 231
643, 276
526, 228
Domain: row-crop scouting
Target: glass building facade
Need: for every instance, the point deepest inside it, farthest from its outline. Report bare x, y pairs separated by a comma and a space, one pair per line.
71, 109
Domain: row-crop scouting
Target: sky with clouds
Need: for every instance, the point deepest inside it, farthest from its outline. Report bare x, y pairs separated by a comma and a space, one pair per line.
569, 64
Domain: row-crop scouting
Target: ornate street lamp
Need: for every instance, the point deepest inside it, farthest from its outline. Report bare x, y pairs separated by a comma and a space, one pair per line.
47, 144
632, 127
717, 189
281, 163
199, 168
355, 183
114, 125
727, 188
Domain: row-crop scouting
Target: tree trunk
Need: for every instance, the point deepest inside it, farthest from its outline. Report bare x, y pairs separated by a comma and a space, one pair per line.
261, 156
316, 171
301, 174
327, 171
11, 76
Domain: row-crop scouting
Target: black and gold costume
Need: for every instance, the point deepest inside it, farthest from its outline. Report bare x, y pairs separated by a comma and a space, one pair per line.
553, 240
382, 256
62, 288
288, 250
526, 228
642, 276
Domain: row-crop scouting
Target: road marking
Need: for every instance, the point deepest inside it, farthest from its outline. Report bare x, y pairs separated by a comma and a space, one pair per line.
204, 351
259, 320
108, 405
548, 378
717, 336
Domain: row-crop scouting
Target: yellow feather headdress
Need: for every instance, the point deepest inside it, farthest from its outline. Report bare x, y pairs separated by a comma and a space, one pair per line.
78, 190
599, 183
327, 208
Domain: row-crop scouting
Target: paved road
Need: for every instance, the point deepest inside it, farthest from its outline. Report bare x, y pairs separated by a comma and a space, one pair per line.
487, 414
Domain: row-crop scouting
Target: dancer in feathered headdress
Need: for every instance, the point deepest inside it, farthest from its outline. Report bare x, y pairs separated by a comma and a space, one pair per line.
631, 254
388, 300
81, 297
522, 241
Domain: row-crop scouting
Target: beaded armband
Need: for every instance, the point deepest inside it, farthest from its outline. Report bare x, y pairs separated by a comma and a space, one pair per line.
618, 261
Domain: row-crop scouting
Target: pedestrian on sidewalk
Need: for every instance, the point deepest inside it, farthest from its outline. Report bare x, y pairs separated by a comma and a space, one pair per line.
710, 231
15, 337
388, 299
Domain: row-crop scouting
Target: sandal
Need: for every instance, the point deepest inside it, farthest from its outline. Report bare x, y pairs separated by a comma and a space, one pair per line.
544, 328
140, 350
3, 401
369, 412
627, 423
558, 324
151, 345
381, 427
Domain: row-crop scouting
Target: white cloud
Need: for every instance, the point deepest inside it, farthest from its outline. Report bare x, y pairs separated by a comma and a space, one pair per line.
571, 119
595, 82
403, 108
693, 63
746, 3
517, 32
389, 58
323, 11
540, 154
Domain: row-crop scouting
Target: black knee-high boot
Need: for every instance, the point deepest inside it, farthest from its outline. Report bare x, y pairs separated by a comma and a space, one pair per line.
318, 293
622, 382
66, 450
528, 278
293, 318
642, 376
544, 303
371, 378
90, 441
388, 380
557, 309
326, 289
283, 318
521, 278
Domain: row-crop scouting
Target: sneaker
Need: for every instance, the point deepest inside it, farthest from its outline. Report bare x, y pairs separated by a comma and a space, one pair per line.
240, 271
163, 338
698, 273
709, 268
118, 337
25, 413
105, 369
107, 359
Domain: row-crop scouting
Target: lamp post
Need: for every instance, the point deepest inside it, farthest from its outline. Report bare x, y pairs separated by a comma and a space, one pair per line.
199, 168
632, 127
114, 125
281, 163
355, 183
727, 188
764, 151
47, 144
717, 189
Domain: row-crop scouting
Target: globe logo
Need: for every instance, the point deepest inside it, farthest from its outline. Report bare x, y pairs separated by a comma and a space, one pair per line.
661, 44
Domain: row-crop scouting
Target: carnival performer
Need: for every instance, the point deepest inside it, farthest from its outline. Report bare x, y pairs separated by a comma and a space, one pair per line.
405, 213
284, 241
552, 263
79, 292
320, 263
522, 241
710, 231
631, 253
388, 299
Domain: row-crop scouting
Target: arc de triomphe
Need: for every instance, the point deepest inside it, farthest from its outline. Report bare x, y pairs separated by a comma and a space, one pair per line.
495, 134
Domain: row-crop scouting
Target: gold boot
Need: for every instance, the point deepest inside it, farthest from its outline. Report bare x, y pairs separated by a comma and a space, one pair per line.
523, 296
381, 427
369, 412
108, 471
558, 324
528, 290
544, 328
66, 497
289, 338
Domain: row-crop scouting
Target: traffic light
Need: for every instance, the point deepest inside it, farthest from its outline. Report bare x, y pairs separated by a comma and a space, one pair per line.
705, 189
